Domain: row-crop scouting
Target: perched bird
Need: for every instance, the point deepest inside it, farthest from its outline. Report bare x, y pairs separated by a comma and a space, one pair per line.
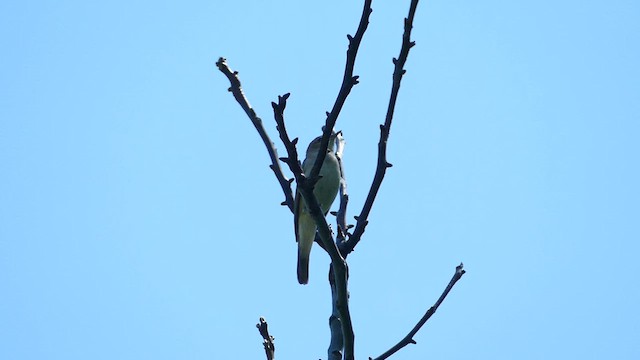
325, 191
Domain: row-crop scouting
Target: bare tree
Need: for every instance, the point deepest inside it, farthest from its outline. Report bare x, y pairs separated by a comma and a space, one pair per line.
339, 247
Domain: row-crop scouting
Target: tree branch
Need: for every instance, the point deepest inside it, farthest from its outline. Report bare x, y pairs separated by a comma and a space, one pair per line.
269, 347
336, 344
361, 220
348, 81
340, 321
305, 187
341, 214
236, 90
342, 336
292, 159
432, 310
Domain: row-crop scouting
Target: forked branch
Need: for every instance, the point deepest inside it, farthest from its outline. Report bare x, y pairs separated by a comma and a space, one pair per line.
342, 334
238, 94
305, 188
383, 164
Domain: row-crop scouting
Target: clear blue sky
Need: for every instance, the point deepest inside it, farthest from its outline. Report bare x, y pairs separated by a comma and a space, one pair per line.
139, 219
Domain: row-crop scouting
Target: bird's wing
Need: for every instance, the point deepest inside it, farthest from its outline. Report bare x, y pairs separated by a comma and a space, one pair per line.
296, 212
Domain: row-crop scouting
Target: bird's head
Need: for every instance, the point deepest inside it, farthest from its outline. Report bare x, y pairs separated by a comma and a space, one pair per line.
314, 146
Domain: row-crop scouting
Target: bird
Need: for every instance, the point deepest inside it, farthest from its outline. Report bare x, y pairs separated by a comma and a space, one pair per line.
325, 191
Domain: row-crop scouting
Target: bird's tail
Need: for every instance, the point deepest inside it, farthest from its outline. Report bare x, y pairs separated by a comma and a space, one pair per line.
305, 234
303, 266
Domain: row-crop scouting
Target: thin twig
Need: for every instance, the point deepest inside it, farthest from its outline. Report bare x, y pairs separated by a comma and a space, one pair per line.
432, 310
238, 94
341, 214
348, 81
267, 342
361, 220
292, 160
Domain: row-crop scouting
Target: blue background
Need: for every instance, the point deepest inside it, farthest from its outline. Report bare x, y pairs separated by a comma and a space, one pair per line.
139, 218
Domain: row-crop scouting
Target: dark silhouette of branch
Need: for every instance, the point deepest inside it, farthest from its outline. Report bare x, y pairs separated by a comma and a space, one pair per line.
342, 336
341, 214
292, 160
269, 347
432, 310
348, 81
361, 220
236, 90
305, 184
336, 344
305, 187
